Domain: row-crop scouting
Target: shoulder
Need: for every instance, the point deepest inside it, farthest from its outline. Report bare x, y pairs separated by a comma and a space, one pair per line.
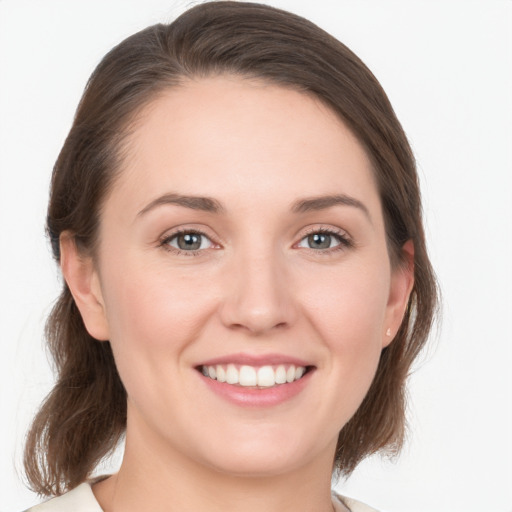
80, 499
350, 504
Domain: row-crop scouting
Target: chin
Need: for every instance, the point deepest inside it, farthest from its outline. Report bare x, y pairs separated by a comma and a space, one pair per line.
263, 457
265, 466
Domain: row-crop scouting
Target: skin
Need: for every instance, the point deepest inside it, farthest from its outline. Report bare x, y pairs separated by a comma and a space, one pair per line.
255, 287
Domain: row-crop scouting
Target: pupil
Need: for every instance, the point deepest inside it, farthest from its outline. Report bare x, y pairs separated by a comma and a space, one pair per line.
319, 241
189, 241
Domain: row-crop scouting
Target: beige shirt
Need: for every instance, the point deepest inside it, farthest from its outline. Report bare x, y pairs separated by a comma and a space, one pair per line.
81, 499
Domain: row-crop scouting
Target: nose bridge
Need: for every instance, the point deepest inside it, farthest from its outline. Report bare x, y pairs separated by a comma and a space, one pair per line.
258, 297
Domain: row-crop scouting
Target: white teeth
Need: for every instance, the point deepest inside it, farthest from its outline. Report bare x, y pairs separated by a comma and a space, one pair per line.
221, 374
266, 377
232, 374
249, 376
280, 374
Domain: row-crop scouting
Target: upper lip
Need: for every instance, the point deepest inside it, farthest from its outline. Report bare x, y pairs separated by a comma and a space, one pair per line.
255, 360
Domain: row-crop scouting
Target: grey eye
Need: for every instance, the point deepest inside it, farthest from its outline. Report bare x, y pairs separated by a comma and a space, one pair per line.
320, 241
190, 241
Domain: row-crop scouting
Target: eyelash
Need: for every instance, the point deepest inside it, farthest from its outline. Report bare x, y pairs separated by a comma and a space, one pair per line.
344, 240
166, 240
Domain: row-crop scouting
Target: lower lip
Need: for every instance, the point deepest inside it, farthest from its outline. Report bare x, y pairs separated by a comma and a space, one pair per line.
257, 397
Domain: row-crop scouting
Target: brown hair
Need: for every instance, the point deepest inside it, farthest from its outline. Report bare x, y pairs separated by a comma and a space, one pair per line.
84, 416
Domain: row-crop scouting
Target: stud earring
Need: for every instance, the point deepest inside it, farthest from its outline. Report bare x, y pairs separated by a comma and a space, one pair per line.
388, 332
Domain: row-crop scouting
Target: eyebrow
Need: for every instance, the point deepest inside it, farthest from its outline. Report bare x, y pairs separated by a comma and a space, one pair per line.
208, 204
205, 204
324, 202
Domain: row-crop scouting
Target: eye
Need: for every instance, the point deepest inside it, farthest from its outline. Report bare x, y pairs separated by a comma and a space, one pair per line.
188, 241
322, 240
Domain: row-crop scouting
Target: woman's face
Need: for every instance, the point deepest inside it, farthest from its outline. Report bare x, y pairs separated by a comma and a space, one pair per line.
243, 241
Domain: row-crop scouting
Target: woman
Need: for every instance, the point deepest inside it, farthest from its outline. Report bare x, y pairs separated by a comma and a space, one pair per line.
237, 217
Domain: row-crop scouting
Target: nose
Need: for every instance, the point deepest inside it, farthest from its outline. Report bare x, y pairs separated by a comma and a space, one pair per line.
258, 296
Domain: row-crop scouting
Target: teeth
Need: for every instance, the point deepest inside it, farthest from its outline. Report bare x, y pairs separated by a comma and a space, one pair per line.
280, 375
266, 377
221, 373
249, 376
232, 374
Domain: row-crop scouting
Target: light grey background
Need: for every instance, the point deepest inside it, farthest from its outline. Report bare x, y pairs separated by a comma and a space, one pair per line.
447, 67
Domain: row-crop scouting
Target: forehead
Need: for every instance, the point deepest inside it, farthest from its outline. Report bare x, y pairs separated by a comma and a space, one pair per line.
225, 136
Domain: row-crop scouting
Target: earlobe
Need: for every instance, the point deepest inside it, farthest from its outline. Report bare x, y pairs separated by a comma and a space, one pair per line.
402, 282
82, 279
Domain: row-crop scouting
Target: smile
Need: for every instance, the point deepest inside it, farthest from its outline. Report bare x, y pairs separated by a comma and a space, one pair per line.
254, 376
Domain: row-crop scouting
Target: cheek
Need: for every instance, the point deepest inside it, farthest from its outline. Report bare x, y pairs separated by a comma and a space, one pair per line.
349, 302
155, 311
153, 317
347, 309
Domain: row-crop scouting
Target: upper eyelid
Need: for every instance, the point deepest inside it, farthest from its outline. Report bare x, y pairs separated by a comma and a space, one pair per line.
322, 229
329, 229
172, 232
334, 234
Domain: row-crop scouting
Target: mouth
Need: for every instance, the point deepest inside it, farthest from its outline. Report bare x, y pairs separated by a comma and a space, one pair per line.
255, 377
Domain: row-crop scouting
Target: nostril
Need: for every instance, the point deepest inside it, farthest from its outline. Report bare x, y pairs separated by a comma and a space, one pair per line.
258, 327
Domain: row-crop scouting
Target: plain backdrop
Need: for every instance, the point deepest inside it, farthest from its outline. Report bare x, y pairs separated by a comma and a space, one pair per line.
447, 68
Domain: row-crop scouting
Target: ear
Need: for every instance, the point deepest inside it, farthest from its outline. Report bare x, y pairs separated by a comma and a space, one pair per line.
402, 281
83, 281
